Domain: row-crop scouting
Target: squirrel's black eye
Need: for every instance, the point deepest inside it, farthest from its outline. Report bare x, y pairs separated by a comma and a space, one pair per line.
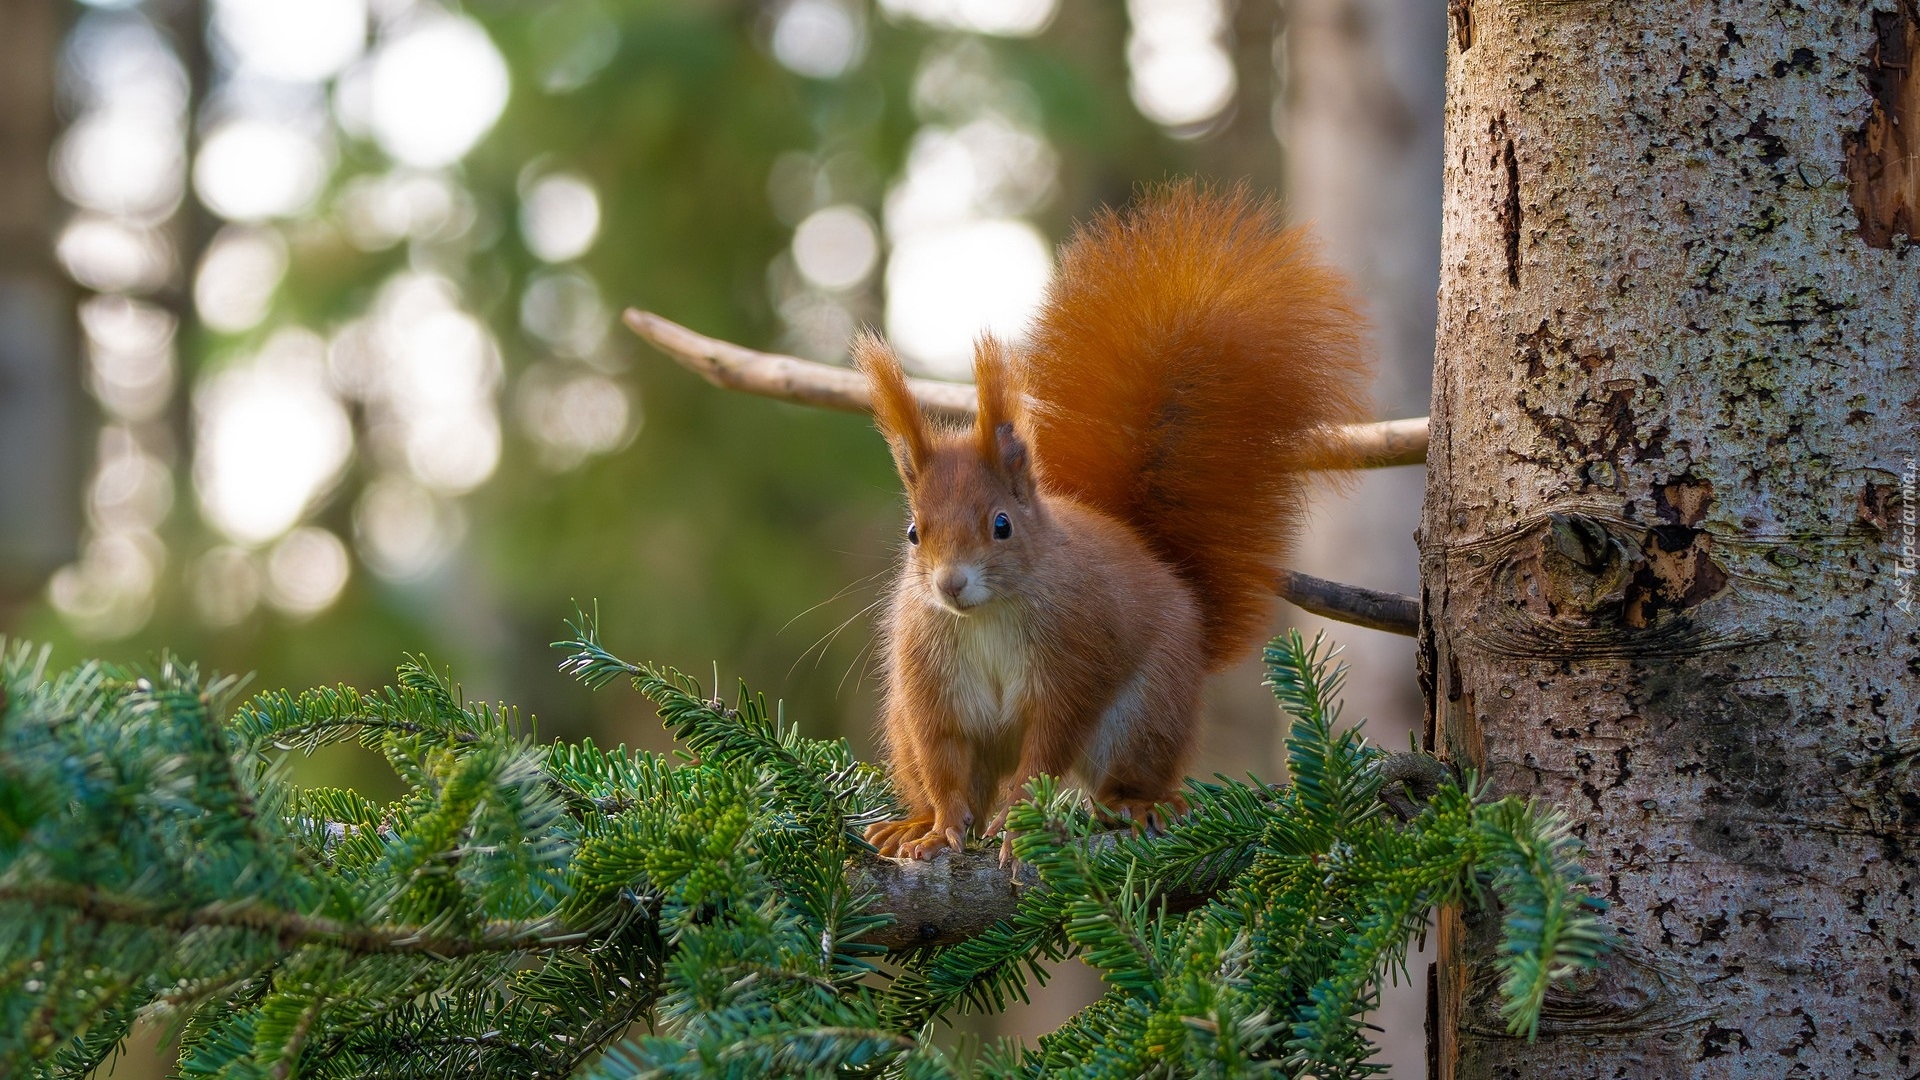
1002, 528
913, 532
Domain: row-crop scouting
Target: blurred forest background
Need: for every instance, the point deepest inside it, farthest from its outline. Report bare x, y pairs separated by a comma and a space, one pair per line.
309, 353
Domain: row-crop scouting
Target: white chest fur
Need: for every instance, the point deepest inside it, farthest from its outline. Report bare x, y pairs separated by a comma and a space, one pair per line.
992, 674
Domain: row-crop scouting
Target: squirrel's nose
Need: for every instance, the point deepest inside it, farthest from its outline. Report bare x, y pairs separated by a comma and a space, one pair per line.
953, 583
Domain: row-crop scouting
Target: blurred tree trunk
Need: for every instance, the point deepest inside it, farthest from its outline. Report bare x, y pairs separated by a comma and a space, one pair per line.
40, 447
1662, 552
1360, 121
1360, 124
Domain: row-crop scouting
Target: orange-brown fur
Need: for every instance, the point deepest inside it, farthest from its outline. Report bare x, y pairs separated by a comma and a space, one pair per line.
1148, 451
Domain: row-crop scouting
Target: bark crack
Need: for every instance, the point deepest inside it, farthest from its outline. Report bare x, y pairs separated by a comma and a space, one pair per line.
1510, 205
1883, 158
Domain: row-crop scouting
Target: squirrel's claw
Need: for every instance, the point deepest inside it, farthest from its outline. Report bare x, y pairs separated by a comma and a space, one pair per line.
920, 836
932, 843
1147, 815
998, 827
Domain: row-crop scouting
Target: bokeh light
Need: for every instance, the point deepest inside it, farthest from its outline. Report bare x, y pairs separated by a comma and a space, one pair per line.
428, 374
987, 167
573, 413
1006, 18
294, 40
108, 593
120, 61
572, 43
964, 259
132, 490
111, 255
559, 217
818, 38
251, 170
1183, 75
271, 438
946, 286
130, 355
127, 160
238, 276
434, 89
306, 571
378, 211
226, 585
836, 248
403, 531
562, 310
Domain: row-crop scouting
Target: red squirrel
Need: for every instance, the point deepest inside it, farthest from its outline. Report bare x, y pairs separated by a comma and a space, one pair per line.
1110, 528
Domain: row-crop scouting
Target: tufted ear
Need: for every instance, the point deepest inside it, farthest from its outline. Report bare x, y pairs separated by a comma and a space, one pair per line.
996, 427
895, 411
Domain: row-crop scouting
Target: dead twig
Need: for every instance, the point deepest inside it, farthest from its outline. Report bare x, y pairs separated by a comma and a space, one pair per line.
1393, 613
789, 378
804, 382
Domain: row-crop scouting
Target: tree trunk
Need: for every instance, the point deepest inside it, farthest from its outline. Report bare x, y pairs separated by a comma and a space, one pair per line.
1664, 584
39, 395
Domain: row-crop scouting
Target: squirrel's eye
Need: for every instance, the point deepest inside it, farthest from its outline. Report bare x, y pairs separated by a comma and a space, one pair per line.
1002, 528
913, 532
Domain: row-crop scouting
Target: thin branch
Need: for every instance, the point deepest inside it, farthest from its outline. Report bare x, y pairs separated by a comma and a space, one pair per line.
290, 1054
804, 382
786, 378
100, 906
1392, 612
789, 378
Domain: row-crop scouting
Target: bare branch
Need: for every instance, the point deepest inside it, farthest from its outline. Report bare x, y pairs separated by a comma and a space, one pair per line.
785, 378
291, 928
1375, 610
1386, 443
804, 382
789, 378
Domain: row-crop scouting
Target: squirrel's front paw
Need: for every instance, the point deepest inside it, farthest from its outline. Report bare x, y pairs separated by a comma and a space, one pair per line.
889, 838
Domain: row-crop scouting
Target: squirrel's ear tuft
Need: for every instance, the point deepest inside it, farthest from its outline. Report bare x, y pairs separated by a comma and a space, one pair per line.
997, 425
895, 411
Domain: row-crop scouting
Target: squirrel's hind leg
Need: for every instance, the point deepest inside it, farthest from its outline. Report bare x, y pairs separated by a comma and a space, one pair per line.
1138, 760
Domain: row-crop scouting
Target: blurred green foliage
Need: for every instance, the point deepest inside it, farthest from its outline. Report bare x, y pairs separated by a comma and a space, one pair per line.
731, 529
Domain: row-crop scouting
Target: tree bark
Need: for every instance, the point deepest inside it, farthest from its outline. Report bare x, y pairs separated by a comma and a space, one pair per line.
1662, 552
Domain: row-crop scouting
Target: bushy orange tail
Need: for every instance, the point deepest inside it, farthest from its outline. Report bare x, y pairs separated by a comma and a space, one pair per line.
1191, 356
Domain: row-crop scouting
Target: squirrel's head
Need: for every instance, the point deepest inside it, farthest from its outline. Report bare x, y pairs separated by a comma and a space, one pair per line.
977, 524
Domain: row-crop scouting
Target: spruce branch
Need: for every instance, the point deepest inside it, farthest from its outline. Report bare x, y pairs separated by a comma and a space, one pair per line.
1551, 929
292, 930
519, 907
